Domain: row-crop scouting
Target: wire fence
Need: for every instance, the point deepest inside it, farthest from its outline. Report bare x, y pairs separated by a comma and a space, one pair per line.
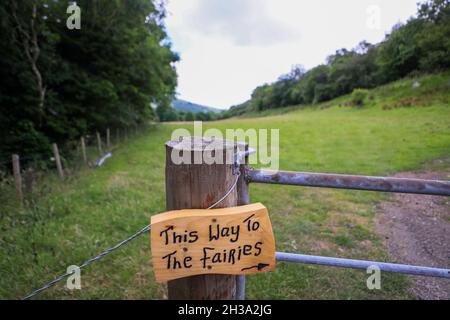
304, 179
117, 246
280, 257
87, 263
27, 173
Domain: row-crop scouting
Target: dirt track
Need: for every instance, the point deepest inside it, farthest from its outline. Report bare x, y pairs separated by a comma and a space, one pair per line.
416, 230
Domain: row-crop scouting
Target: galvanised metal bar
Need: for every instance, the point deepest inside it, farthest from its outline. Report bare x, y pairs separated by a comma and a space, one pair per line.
363, 264
341, 181
243, 199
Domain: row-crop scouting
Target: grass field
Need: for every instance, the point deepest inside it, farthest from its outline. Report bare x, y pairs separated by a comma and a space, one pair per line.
399, 129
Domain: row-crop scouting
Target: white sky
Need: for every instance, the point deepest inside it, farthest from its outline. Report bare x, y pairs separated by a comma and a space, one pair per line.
229, 47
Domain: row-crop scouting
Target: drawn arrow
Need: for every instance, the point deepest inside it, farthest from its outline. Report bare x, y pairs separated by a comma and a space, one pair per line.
259, 266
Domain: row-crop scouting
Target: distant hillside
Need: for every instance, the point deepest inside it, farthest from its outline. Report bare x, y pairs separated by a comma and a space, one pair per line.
420, 46
186, 106
419, 91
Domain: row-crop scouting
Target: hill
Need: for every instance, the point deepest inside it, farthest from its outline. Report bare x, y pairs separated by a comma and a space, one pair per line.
409, 92
399, 128
408, 49
186, 106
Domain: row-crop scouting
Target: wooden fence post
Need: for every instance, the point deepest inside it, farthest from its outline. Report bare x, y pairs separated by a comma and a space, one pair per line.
17, 177
99, 143
58, 161
83, 150
199, 185
108, 140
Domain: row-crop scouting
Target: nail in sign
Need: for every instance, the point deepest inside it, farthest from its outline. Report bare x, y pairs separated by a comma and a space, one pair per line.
237, 240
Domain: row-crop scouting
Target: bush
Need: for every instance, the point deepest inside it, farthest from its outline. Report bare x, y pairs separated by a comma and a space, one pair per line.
358, 97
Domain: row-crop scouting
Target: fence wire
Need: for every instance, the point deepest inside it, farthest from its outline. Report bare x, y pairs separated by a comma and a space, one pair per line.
87, 263
117, 246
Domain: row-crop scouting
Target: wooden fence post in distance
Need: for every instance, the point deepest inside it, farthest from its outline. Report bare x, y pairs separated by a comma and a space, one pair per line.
198, 186
17, 177
58, 161
83, 150
99, 143
108, 138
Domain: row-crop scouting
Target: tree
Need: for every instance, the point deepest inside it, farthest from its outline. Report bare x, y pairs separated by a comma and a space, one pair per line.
28, 27
316, 77
353, 69
189, 117
57, 84
434, 40
399, 54
435, 11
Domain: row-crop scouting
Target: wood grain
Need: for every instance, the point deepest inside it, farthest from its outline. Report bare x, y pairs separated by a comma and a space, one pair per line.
197, 186
58, 161
237, 240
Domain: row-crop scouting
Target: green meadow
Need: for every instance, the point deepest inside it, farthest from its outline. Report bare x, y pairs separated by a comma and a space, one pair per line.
65, 223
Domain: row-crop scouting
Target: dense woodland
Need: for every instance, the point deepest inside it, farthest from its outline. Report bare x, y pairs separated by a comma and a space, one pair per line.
57, 84
422, 45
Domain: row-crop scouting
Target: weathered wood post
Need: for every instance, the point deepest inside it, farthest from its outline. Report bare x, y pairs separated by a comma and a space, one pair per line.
99, 143
83, 150
17, 177
198, 185
108, 139
58, 161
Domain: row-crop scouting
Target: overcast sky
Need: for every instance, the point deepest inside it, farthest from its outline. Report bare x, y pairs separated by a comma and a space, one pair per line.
229, 47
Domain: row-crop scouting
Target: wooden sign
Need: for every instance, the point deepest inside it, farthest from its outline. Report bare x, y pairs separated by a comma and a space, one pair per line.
237, 240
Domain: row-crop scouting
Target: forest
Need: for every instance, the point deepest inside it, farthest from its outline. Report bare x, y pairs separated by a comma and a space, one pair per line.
57, 83
422, 45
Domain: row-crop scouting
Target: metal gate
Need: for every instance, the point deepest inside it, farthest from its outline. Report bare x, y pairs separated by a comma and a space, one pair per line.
353, 182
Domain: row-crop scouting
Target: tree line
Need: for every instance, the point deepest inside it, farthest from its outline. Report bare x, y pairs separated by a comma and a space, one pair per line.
57, 84
421, 45
167, 113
